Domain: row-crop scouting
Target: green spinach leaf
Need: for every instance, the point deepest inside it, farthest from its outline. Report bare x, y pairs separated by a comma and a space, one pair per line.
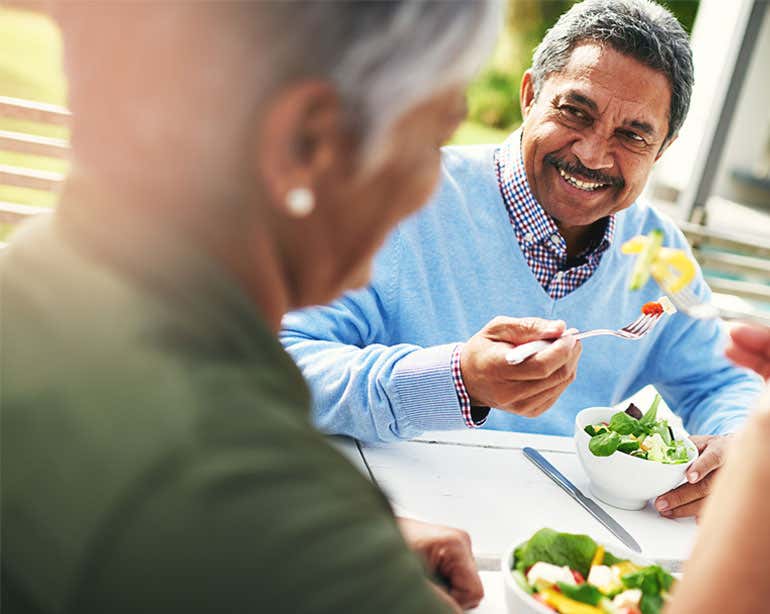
610, 559
604, 444
624, 424
651, 415
651, 604
651, 580
549, 546
585, 593
627, 444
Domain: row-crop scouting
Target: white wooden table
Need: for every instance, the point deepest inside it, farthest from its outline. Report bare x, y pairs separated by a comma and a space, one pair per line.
480, 481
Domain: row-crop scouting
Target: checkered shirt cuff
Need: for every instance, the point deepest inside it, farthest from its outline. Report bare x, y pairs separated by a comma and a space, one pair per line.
462, 393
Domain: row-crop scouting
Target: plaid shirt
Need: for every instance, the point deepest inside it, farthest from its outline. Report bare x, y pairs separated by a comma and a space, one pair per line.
543, 247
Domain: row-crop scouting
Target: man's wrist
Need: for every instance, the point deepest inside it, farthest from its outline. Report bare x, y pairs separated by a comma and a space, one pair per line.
474, 416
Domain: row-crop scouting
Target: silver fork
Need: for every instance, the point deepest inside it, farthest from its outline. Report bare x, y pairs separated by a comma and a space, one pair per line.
635, 330
686, 301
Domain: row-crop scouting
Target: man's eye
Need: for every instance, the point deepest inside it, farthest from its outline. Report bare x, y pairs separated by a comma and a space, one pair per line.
574, 112
633, 136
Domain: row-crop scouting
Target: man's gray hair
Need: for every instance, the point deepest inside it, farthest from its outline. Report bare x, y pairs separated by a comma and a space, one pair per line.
640, 29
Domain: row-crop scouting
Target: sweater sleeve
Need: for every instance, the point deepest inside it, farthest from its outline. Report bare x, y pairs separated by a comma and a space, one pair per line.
279, 524
689, 369
363, 386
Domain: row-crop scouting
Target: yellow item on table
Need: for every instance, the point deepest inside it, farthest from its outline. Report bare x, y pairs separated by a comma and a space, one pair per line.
565, 605
626, 567
672, 268
598, 556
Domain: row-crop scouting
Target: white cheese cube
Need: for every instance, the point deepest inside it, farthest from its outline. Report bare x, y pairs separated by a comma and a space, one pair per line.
549, 574
628, 598
668, 306
604, 578
655, 445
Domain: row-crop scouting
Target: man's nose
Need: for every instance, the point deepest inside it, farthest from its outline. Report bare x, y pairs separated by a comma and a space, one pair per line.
593, 152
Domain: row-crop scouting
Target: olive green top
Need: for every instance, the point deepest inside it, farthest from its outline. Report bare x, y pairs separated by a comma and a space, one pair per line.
156, 449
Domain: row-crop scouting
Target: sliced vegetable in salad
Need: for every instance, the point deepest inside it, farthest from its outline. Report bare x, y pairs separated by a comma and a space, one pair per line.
673, 269
639, 435
647, 249
572, 574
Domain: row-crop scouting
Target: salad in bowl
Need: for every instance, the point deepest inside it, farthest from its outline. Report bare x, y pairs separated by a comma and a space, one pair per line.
614, 445
572, 574
639, 435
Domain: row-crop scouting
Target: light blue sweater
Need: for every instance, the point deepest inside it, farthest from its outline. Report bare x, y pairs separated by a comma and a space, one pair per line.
378, 360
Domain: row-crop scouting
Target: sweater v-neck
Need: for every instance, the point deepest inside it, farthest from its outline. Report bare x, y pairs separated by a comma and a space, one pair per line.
533, 285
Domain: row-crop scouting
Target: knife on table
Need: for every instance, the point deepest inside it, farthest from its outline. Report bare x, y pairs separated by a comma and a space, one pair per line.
588, 504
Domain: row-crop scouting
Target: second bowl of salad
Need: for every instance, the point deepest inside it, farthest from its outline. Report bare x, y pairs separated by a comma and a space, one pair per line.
572, 574
631, 456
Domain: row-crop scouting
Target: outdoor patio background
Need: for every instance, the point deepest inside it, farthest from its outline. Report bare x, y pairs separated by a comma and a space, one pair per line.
30, 53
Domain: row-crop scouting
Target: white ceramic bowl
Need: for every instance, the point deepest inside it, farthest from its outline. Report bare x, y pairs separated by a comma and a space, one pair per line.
623, 480
519, 602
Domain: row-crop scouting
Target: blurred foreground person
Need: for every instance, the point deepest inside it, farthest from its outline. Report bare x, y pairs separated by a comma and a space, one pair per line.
231, 161
733, 548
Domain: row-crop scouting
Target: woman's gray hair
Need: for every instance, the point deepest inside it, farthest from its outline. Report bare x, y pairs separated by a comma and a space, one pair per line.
182, 81
384, 57
640, 29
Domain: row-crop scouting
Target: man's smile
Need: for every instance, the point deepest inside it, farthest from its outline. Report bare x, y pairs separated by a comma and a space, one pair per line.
586, 186
581, 178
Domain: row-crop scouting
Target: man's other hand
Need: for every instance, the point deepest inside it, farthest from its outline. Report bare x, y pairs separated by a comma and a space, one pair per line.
688, 499
527, 389
448, 556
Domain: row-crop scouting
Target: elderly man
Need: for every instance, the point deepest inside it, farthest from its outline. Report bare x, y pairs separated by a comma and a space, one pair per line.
532, 229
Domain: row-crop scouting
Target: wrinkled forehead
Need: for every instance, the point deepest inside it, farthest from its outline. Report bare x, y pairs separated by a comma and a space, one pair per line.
607, 81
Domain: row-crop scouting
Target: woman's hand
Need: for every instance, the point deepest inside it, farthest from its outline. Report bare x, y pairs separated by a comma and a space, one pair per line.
750, 347
447, 554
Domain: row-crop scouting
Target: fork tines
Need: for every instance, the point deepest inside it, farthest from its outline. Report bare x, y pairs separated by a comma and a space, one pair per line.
641, 325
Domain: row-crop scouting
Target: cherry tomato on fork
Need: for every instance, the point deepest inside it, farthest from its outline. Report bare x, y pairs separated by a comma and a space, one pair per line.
652, 308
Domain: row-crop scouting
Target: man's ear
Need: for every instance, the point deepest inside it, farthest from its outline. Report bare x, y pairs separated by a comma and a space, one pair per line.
526, 93
666, 146
300, 138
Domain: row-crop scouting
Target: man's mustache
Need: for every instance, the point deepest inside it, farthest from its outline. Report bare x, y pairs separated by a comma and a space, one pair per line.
578, 169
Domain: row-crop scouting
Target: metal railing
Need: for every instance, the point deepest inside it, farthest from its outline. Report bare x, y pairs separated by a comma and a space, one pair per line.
30, 144
734, 264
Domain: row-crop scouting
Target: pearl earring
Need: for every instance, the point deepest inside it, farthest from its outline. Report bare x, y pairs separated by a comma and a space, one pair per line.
300, 202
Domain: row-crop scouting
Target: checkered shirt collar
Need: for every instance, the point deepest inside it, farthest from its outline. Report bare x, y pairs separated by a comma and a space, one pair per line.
530, 221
